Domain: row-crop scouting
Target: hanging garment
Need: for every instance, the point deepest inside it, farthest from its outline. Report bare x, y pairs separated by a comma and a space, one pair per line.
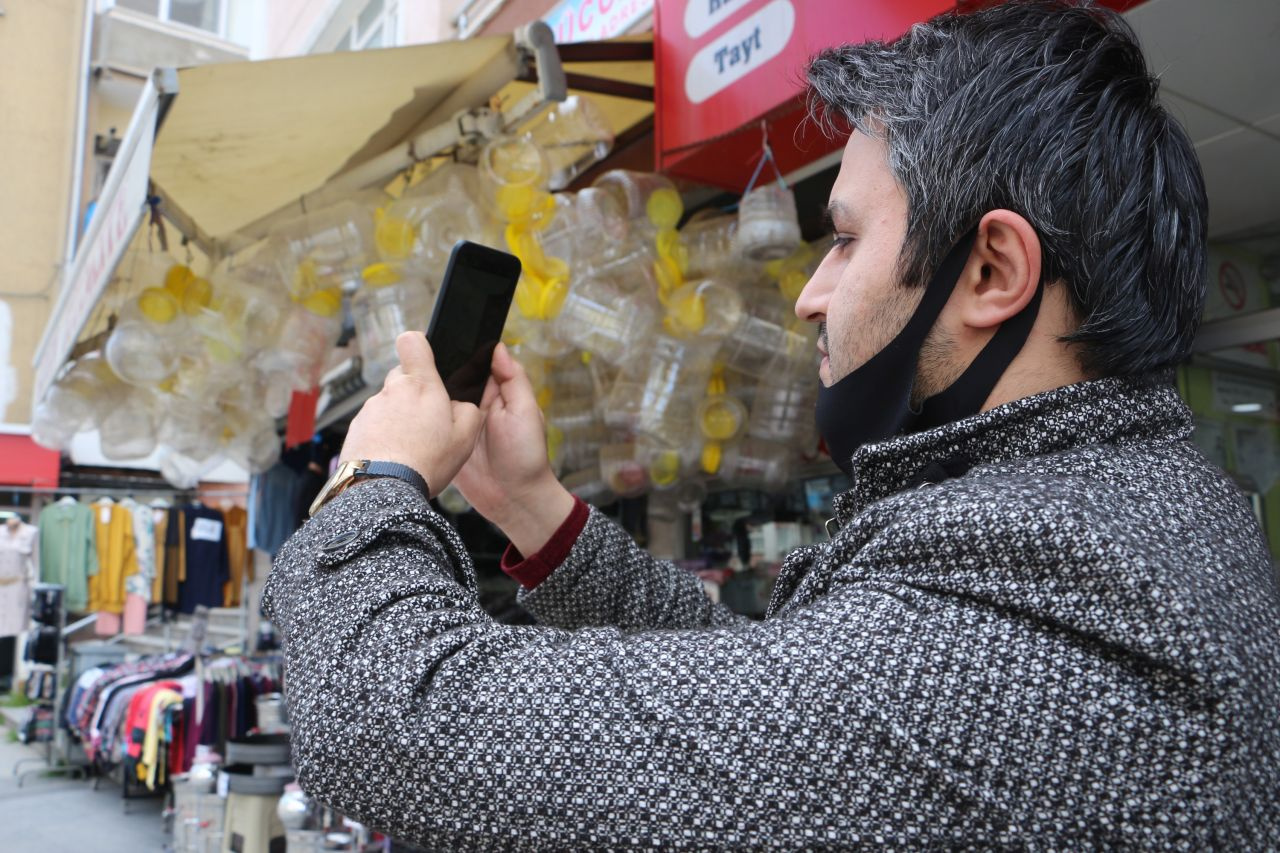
160, 524
275, 494
207, 564
175, 556
18, 545
117, 560
135, 614
239, 561
148, 768
144, 549
68, 551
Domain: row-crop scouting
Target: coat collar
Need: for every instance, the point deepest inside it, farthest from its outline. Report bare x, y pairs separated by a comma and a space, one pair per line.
1099, 411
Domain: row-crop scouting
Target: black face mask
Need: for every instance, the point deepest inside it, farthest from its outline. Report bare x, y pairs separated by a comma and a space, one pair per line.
874, 402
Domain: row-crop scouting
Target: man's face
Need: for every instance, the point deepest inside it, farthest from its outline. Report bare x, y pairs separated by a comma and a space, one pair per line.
854, 292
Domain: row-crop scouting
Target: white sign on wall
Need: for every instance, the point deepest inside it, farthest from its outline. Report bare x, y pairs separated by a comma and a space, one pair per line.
741, 50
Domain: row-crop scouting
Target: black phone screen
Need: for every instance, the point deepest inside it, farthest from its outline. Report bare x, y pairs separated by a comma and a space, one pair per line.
469, 315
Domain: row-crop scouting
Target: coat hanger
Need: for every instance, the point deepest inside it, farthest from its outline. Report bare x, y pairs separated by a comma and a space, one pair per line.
67, 500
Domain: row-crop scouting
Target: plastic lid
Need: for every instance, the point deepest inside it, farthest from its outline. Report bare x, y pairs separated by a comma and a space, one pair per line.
669, 277
711, 457
526, 204
197, 294
324, 303
158, 305
540, 299
177, 278
305, 280
380, 275
665, 207
393, 236
720, 418
664, 468
688, 313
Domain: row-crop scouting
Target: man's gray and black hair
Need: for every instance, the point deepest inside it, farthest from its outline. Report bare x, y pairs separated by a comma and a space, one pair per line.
1045, 108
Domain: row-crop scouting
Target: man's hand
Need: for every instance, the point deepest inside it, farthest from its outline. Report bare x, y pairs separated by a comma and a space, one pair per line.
412, 420
508, 478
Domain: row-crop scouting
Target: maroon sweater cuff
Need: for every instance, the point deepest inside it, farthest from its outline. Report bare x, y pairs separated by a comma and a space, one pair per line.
533, 570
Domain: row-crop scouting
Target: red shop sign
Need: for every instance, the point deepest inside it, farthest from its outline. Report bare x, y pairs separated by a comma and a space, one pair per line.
722, 65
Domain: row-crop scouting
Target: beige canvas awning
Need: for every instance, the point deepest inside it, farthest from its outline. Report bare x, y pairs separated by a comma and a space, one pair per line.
244, 139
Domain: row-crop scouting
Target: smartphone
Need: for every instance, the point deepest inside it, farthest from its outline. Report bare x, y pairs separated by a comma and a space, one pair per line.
469, 315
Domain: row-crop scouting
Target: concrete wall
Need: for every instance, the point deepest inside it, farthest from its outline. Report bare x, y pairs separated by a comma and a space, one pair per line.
40, 50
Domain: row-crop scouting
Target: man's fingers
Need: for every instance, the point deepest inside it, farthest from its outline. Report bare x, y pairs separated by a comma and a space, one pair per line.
467, 420
513, 382
416, 359
491, 394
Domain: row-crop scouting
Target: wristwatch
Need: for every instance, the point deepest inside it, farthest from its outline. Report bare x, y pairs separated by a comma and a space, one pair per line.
354, 470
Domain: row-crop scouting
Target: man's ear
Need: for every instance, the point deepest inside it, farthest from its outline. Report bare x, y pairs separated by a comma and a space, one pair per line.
1003, 271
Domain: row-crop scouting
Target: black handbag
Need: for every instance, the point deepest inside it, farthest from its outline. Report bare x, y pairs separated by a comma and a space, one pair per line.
46, 603
42, 645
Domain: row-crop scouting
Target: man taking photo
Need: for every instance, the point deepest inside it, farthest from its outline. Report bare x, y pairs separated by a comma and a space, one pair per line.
1044, 620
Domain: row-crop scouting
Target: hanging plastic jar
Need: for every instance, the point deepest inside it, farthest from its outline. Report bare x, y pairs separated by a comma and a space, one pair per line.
129, 432
622, 470
782, 408
513, 176
706, 309
760, 348
768, 227
753, 462
575, 136
325, 248
657, 394
383, 308
601, 319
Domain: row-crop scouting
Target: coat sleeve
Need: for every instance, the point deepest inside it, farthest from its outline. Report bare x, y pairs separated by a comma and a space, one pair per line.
415, 713
608, 580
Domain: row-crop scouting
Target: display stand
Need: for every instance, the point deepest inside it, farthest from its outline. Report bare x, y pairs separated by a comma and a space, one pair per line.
58, 746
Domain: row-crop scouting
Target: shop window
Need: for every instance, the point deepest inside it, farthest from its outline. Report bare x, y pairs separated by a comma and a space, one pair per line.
376, 26
207, 15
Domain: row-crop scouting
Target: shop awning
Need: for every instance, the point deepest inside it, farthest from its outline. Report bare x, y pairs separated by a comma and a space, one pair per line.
242, 139
226, 148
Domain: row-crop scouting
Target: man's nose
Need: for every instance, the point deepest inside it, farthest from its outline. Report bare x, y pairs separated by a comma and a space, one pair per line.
811, 304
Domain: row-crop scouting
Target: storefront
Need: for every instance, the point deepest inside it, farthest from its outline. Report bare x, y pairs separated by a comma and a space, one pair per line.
269, 228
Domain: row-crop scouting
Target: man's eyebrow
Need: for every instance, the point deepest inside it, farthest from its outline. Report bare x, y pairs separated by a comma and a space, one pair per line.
833, 210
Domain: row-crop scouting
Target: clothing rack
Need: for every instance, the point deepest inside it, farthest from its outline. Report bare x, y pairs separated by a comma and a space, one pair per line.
57, 753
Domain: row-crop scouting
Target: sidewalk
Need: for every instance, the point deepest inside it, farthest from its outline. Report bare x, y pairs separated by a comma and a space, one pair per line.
53, 814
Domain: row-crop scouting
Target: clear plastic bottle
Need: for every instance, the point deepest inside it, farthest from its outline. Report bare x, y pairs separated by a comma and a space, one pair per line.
382, 309
598, 317
755, 462
575, 136
782, 410
762, 348
656, 394
325, 248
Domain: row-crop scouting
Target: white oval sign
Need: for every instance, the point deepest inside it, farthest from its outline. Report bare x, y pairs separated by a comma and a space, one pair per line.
741, 50
701, 16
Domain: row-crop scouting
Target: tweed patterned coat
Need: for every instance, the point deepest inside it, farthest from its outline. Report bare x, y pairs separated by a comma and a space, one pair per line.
1050, 625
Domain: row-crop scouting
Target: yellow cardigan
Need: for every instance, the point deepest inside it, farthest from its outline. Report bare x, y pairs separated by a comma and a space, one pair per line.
113, 526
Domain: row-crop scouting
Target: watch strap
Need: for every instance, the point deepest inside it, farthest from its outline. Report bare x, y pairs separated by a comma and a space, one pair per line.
396, 470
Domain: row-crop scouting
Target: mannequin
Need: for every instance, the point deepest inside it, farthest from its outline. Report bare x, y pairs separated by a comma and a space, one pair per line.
18, 571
